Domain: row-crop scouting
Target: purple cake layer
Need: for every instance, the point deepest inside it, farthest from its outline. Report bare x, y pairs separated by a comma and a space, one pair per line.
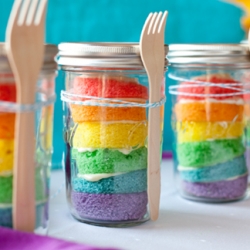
110, 207
224, 190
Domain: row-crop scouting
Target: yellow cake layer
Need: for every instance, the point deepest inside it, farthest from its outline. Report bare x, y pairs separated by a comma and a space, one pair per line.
6, 156
46, 127
202, 131
109, 135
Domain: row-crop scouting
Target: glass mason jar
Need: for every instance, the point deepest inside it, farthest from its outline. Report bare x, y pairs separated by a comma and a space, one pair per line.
209, 120
43, 109
105, 131
247, 111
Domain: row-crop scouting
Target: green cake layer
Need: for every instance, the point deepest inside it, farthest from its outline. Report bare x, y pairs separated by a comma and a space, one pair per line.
247, 135
6, 187
200, 154
109, 161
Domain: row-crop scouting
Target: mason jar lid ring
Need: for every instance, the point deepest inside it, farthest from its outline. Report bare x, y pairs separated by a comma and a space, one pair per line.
102, 54
49, 63
206, 48
209, 55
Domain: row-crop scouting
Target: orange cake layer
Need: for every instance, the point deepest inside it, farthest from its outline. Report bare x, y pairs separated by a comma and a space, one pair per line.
247, 110
208, 111
7, 125
98, 113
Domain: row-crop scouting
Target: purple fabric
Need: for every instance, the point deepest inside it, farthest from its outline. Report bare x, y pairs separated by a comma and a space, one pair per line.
15, 240
167, 155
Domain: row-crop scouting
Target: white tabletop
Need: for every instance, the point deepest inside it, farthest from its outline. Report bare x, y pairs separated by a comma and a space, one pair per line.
182, 224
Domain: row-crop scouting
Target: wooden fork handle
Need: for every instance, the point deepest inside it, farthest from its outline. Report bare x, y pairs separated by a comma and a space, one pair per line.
154, 161
24, 173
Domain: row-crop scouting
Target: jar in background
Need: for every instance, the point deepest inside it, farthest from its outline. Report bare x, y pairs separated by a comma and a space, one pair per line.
45, 96
247, 111
208, 120
105, 130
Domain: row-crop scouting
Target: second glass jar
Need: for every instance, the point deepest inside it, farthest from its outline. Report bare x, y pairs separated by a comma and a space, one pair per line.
105, 123
209, 120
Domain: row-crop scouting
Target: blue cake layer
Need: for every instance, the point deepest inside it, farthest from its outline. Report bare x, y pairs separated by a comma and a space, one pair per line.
131, 182
41, 216
218, 172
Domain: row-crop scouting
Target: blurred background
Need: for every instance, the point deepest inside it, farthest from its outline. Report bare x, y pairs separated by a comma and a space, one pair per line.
193, 21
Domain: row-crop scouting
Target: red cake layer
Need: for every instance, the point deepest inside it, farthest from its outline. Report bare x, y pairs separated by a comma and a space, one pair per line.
201, 90
109, 87
7, 92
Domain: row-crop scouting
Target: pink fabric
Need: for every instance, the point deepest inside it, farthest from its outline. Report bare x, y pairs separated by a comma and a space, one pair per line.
15, 240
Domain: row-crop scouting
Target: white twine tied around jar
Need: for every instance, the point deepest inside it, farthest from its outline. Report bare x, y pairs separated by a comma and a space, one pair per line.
107, 102
240, 88
12, 107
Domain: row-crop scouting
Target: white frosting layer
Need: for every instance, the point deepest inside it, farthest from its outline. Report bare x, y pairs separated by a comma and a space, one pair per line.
181, 168
6, 173
236, 177
97, 177
83, 150
122, 122
124, 151
214, 139
237, 101
137, 100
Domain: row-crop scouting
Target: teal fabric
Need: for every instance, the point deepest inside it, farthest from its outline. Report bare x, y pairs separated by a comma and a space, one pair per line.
193, 21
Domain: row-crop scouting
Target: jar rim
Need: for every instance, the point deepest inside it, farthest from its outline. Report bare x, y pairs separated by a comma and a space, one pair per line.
202, 55
49, 62
101, 54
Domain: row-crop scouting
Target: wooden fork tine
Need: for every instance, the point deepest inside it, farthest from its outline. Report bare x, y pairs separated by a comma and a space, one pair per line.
24, 12
156, 23
151, 26
146, 25
32, 12
13, 19
162, 25
41, 13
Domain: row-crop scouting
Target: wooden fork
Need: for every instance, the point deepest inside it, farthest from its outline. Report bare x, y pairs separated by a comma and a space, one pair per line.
153, 58
25, 50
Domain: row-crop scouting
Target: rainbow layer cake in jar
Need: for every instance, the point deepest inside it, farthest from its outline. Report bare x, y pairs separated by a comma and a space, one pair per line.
109, 149
210, 147
7, 140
